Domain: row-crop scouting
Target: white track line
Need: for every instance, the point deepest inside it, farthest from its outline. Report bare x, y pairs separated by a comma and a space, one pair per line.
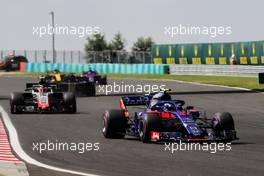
208, 85
194, 83
214, 85
22, 154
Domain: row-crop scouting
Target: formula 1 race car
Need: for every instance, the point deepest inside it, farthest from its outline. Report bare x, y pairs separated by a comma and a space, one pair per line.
95, 77
69, 83
39, 98
12, 62
89, 76
166, 120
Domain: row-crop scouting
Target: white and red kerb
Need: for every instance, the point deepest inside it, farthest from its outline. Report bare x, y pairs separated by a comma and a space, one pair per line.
6, 154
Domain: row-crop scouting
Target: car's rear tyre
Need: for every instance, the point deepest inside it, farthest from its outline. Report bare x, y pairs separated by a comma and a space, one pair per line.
70, 102
150, 123
8, 68
114, 124
103, 80
92, 90
16, 101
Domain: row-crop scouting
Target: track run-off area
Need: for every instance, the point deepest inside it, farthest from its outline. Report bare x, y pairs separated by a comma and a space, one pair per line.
129, 156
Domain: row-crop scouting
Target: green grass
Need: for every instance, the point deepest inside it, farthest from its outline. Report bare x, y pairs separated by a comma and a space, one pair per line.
18, 74
244, 82
234, 81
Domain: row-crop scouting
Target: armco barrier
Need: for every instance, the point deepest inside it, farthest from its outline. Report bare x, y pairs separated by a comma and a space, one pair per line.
235, 70
100, 68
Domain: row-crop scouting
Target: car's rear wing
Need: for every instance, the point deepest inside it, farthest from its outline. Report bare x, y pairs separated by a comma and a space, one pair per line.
136, 100
31, 85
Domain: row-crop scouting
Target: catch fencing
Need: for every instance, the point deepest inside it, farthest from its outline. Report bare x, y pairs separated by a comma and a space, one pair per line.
80, 57
100, 68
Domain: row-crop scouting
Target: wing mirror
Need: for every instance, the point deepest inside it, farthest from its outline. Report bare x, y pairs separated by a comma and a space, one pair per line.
189, 107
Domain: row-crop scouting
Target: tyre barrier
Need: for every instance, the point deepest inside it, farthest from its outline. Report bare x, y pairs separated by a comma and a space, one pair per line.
100, 68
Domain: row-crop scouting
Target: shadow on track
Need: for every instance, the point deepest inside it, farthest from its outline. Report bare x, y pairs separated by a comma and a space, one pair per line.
162, 143
4, 97
258, 90
242, 143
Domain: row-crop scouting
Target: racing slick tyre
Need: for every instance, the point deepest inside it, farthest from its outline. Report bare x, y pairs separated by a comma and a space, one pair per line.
114, 124
150, 123
16, 100
92, 90
7, 69
223, 124
70, 102
103, 80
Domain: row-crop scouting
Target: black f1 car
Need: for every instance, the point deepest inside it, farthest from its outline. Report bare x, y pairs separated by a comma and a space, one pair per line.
69, 83
165, 119
12, 62
39, 98
89, 76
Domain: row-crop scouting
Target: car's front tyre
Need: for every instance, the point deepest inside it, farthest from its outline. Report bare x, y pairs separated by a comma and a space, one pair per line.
151, 122
223, 126
16, 101
70, 102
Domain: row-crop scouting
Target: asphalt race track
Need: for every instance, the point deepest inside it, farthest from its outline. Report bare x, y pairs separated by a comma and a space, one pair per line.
131, 157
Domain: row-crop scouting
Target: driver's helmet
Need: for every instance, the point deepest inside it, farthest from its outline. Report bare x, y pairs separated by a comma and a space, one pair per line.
41, 79
90, 70
168, 107
52, 79
179, 107
161, 96
40, 89
56, 71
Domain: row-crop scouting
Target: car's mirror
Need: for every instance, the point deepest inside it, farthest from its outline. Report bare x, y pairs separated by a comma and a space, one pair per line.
189, 107
155, 108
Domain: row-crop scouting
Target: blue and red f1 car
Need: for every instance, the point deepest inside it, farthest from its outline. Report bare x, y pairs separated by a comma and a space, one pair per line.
165, 119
